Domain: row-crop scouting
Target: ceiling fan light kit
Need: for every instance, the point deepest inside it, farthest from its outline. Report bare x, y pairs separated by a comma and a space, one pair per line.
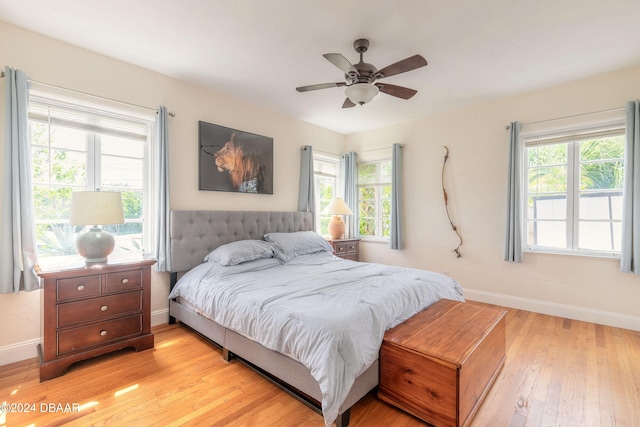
361, 93
360, 79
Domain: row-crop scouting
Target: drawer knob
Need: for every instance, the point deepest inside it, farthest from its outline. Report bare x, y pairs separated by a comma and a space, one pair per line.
103, 308
103, 333
80, 287
125, 280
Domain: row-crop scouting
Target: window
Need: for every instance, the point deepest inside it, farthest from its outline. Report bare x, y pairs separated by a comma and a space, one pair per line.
574, 191
374, 199
325, 172
76, 148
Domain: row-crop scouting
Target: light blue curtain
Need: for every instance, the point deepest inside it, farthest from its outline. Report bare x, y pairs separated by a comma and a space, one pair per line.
18, 249
630, 251
163, 248
396, 241
306, 189
513, 234
349, 175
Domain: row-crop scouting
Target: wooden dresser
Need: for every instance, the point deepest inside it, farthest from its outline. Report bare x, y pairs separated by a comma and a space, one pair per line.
346, 248
92, 310
439, 364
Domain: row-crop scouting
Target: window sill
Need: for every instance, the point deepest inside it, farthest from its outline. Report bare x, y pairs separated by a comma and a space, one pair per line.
599, 255
370, 239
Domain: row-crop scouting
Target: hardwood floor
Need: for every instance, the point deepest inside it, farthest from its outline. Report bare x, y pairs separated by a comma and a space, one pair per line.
559, 372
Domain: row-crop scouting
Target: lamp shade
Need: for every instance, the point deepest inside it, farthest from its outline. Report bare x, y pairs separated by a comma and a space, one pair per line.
337, 207
361, 93
96, 208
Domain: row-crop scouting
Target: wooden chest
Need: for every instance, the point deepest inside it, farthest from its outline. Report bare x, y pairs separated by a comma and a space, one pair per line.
439, 364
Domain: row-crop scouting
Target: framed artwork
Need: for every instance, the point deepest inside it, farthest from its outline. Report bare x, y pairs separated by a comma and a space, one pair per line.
233, 160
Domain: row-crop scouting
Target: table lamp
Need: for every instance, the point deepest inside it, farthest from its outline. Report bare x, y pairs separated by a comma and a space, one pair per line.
96, 208
336, 208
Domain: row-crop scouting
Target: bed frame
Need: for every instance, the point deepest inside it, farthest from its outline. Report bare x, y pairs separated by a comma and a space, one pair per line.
193, 234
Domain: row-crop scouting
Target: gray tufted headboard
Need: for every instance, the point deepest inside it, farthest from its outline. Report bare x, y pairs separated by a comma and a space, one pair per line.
193, 234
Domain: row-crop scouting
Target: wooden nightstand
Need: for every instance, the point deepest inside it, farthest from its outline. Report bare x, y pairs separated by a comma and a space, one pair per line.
92, 310
346, 248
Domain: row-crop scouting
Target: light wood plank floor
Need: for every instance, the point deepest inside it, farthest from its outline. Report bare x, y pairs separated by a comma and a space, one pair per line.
559, 372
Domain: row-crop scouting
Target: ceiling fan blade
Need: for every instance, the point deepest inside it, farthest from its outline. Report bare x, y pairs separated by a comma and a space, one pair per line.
407, 64
319, 86
341, 62
348, 103
397, 91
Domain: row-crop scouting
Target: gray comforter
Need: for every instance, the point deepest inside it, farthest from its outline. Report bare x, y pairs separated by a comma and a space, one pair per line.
328, 313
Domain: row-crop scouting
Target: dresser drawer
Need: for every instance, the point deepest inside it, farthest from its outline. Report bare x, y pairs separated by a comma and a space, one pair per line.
95, 309
344, 248
123, 280
98, 333
77, 287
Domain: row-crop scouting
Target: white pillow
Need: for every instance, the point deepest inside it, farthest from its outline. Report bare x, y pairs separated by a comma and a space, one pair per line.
240, 251
291, 245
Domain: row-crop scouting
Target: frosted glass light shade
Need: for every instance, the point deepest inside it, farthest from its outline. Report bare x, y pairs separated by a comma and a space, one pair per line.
361, 93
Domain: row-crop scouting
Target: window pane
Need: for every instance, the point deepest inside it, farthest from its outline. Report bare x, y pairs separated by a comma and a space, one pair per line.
367, 211
118, 172
56, 238
616, 207
551, 234
598, 205
548, 207
601, 175
553, 154
385, 172
617, 236
595, 236
604, 148
548, 179
121, 146
366, 173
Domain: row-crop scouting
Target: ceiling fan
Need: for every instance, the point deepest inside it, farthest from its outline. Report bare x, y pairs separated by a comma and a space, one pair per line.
361, 86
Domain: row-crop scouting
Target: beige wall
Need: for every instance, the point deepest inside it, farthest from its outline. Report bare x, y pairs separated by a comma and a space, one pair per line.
566, 285
579, 287
52, 62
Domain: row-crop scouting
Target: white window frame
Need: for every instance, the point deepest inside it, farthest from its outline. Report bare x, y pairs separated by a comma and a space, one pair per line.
318, 159
572, 136
378, 185
143, 121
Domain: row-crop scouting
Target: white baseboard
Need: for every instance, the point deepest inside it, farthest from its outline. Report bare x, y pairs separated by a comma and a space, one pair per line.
608, 318
28, 349
159, 317
18, 352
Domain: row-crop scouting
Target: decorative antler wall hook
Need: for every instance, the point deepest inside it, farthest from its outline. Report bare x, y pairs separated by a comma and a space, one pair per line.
446, 204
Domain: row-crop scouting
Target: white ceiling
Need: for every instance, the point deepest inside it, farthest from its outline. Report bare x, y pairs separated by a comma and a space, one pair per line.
261, 50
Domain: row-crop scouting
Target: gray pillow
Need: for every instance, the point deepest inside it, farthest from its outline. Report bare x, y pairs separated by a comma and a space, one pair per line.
290, 245
240, 251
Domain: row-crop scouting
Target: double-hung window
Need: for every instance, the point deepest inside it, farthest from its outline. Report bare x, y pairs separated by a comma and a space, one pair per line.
573, 186
374, 199
326, 177
77, 148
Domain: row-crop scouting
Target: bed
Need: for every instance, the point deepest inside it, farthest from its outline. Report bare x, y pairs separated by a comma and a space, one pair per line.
268, 290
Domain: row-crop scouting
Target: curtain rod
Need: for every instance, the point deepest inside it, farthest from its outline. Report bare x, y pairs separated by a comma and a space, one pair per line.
171, 113
610, 110
338, 155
